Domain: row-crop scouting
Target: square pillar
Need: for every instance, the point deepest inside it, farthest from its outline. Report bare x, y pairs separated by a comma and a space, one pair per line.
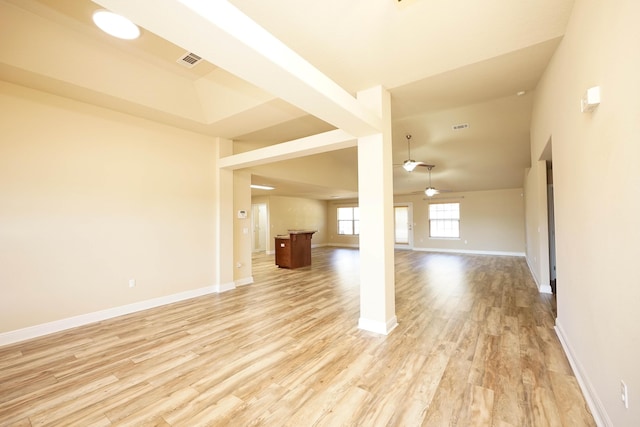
375, 199
224, 220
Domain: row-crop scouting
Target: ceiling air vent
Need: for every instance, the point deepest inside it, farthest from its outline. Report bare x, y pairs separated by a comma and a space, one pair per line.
189, 60
460, 126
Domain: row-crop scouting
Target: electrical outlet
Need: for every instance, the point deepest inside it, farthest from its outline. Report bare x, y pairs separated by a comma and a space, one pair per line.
624, 394
132, 283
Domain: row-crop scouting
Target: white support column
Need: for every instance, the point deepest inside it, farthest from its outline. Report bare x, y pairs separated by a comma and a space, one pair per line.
224, 220
375, 188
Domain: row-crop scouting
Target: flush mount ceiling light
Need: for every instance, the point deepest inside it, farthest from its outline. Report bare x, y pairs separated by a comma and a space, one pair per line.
116, 25
262, 187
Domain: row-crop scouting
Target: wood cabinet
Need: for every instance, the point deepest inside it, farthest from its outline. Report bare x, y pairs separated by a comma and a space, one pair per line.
294, 250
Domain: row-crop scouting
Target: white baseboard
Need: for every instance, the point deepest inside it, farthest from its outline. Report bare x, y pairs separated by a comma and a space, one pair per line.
378, 327
85, 319
343, 245
596, 407
224, 287
543, 289
244, 281
533, 273
464, 251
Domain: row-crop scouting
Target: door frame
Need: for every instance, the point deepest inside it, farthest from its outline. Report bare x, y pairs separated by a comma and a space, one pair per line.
409, 206
263, 224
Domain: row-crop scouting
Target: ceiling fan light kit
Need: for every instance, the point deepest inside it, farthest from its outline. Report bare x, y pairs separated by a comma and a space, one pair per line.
409, 165
430, 191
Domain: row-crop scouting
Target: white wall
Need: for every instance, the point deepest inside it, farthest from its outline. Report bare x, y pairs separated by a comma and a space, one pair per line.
90, 198
596, 183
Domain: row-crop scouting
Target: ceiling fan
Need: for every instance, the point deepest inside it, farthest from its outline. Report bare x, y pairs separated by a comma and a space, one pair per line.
409, 165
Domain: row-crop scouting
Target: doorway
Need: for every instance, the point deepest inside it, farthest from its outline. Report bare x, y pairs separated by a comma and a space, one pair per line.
403, 225
552, 228
259, 227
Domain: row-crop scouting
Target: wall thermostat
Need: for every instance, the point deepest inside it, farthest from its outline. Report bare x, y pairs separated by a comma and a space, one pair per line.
242, 214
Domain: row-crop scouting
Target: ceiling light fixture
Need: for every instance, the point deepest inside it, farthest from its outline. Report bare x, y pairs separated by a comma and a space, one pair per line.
409, 165
430, 191
116, 25
262, 187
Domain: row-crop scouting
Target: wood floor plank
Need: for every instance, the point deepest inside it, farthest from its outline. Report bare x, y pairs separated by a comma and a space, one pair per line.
475, 345
545, 411
481, 407
572, 411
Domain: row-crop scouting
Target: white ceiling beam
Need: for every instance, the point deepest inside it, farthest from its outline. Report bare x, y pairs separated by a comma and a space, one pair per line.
315, 144
221, 34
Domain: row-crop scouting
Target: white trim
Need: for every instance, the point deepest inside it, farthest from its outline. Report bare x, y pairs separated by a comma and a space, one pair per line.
464, 251
97, 316
598, 410
224, 287
344, 245
244, 281
410, 243
543, 289
378, 327
533, 273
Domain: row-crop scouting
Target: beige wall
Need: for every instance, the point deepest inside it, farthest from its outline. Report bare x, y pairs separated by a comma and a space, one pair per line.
596, 182
287, 213
333, 238
491, 221
242, 228
537, 227
90, 198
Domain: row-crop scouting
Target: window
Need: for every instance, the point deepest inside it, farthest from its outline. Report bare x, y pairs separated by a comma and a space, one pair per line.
444, 220
349, 221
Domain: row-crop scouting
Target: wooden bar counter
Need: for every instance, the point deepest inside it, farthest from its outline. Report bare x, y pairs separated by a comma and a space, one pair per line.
294, 250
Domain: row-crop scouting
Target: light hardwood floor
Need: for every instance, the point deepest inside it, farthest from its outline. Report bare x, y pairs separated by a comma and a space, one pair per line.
475, 346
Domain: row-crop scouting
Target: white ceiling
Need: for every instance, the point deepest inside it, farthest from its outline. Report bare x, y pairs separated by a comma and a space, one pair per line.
445, 62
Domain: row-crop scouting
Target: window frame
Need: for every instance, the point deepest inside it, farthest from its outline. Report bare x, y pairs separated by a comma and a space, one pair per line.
354, 220
452, 220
